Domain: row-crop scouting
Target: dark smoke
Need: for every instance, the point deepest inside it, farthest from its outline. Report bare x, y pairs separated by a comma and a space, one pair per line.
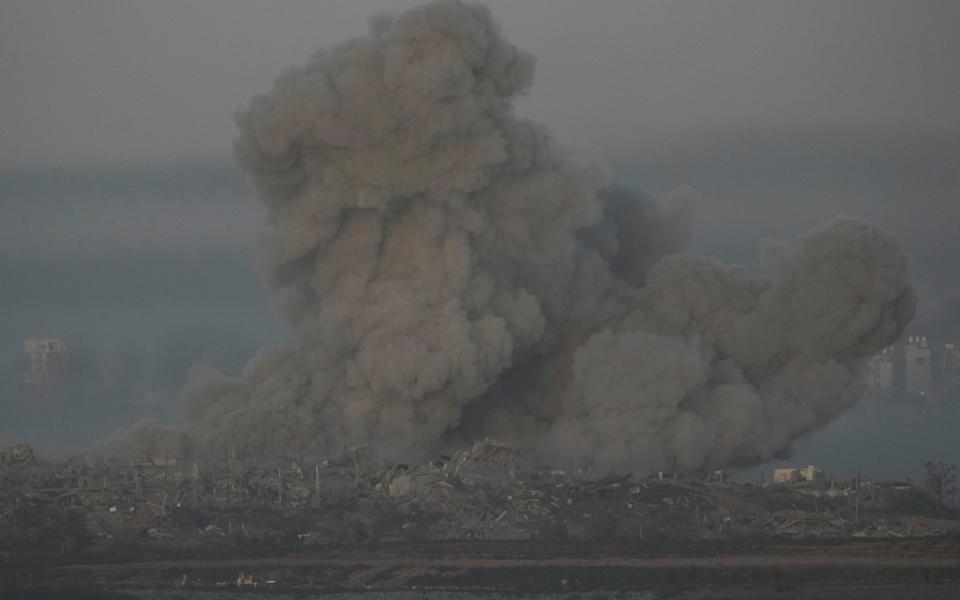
636, 231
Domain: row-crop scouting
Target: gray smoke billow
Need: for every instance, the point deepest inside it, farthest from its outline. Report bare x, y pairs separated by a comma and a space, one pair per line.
451, 272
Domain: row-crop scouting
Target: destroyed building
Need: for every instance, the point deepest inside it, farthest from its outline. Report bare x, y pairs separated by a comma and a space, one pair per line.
810, 474
482, 492
786, 475
16, 456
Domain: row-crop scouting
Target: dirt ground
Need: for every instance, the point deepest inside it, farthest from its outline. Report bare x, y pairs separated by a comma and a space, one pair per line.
849, 569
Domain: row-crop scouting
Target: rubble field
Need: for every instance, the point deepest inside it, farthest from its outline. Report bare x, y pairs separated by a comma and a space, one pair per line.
475, 522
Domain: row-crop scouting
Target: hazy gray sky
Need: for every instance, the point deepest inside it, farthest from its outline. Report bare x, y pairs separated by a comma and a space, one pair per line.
105, 82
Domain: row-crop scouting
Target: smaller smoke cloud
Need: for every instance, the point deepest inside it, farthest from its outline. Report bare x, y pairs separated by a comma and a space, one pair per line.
712, 368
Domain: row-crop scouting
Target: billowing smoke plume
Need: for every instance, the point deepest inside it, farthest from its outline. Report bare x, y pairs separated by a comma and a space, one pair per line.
451, 272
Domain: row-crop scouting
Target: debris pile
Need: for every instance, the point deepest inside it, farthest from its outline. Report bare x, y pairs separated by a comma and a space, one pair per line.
481, 492
19, 455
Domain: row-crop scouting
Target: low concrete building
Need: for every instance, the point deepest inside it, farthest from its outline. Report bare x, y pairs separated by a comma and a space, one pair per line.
810, 473
786, 475
44, 371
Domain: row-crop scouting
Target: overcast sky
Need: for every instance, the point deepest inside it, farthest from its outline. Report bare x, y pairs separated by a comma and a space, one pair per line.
107, 82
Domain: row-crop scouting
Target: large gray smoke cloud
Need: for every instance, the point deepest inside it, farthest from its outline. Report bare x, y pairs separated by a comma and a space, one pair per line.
450, 271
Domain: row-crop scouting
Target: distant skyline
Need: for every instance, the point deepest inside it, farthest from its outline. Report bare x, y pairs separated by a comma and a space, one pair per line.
118, 82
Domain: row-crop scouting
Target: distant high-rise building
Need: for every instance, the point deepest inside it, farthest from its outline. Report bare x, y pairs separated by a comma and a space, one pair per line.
44, 368
948, 362
810, 473
45, 362
917, 365
879, 371
110, 370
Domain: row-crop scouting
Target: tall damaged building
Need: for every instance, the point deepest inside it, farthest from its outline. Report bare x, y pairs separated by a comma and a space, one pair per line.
879, 373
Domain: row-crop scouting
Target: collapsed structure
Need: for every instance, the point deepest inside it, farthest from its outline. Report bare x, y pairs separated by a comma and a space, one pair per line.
451, 273
110, 509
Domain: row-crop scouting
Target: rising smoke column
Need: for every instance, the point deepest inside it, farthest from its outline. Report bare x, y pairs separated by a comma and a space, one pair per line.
449, 271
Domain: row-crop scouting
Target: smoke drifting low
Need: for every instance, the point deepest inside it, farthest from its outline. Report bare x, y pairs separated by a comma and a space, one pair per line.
450, 272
